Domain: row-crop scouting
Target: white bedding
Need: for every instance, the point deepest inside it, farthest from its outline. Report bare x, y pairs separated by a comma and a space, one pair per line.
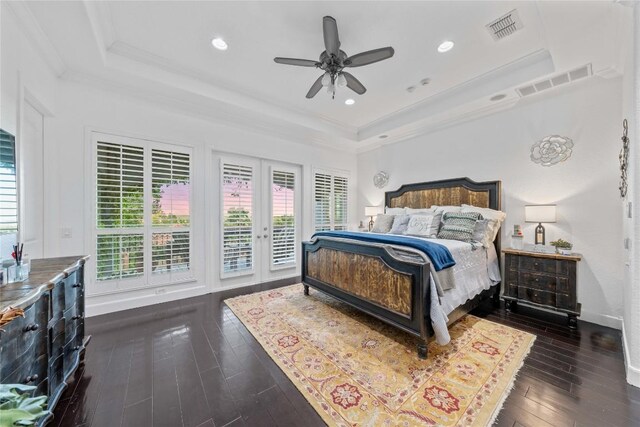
476, 269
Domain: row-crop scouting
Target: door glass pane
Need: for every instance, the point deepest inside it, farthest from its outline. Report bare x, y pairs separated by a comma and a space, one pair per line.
322, 202
283, 225
237, 212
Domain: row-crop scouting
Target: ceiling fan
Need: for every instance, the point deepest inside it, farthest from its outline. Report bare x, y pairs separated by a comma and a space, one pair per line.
333, 61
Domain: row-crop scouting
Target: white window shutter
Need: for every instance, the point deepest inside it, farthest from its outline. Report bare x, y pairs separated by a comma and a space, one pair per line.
237, 213
283, 226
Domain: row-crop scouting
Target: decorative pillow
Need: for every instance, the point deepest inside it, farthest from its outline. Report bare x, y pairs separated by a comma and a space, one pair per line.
400, 224
496, 218
483, 232
424, 225
394, 211
459, 225
383, 223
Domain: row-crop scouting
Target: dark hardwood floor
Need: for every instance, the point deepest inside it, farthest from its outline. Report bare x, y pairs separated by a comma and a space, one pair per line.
193, 363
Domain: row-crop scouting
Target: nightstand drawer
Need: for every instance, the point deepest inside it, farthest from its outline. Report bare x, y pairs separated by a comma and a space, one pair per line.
537, 296
542, 265
544, 282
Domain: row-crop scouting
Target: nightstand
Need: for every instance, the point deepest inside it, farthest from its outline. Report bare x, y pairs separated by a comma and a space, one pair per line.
542, 280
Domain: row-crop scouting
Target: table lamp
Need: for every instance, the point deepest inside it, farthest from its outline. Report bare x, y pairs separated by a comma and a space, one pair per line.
540, 214
371, 211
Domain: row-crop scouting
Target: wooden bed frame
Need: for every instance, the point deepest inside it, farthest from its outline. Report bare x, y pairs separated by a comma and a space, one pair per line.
385, 283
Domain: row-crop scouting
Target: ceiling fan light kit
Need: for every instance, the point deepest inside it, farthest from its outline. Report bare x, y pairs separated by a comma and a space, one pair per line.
333, 60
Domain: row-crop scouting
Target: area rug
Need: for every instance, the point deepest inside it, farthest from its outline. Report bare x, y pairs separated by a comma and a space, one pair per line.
357, 371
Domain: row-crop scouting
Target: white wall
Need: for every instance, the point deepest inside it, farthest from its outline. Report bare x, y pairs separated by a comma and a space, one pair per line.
24, 75
631, 262
497, 148
82, 108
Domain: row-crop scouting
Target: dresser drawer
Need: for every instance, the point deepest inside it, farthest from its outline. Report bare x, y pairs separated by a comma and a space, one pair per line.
57, 300
73, 288
57, 338
537, 281
542, 265
33, 335
537, 296
567, 302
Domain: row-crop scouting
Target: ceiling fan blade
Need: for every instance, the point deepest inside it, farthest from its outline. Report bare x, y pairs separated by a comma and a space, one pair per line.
369, 57
330, 32
354, 84
298, 62
315, 88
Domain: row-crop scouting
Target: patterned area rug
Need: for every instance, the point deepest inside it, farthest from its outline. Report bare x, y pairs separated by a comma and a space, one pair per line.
357, 371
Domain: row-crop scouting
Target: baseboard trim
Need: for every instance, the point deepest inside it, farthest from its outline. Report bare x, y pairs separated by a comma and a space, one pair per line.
601, 319
633, 373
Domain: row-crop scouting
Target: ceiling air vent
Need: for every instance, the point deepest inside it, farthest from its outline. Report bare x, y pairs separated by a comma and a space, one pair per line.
554, 81
505, 25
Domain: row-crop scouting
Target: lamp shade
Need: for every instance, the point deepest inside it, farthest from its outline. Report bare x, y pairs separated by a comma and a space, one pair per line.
371, 210
540, 213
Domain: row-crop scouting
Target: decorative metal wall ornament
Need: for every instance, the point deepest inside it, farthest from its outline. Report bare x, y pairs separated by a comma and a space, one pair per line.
624, 159
381, 179
551, 150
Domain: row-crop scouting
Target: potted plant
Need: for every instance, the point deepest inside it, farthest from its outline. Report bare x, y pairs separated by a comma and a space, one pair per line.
18, 408
562, 246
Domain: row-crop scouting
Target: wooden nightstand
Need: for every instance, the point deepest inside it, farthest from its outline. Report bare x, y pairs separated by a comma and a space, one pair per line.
542, 280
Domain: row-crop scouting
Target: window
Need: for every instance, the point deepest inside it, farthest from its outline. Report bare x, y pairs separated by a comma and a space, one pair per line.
237, 211
283, 218
143, 217
8, 189
330, 195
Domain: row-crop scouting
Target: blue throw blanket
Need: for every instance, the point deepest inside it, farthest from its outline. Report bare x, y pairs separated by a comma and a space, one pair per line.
439, 254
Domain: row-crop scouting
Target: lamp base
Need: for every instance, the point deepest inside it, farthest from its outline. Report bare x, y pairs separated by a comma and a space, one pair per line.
539, 234
371, 224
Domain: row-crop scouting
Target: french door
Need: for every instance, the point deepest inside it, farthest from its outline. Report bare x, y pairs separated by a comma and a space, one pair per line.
259, 220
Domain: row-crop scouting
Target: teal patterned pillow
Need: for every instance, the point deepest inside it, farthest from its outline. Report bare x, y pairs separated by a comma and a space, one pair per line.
459, 225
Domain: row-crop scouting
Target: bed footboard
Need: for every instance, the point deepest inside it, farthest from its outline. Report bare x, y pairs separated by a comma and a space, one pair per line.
374, 279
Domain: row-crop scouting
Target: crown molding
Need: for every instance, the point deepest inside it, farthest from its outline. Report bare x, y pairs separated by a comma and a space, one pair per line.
29, 24
445, 120
220, 90
216, 112
501, 79
101, 24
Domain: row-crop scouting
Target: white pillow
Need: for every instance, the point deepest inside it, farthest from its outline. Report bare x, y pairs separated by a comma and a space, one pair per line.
400, 224
445, 209
424, 225
411, 211
394, 211
483, 232
496, 218
383, 223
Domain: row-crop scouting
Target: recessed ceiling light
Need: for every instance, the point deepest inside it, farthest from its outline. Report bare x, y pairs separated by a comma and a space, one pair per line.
383, 136
350, 101
219, 44
445, 46
425, 81
498, 97
411, 89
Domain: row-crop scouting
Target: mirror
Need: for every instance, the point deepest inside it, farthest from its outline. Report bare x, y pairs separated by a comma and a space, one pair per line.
8, 188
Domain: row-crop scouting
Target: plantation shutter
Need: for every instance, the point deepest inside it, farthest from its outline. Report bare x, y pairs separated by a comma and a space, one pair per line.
322, 201
8, 189
330, 202
283, 225
340, 203
237, 213
120, 211
170, 211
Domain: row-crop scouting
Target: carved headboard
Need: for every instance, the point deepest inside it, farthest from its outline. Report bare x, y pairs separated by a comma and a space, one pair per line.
447, 192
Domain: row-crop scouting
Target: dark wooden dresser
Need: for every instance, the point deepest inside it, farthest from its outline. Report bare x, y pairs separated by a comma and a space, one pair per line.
542, 280
44, 347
